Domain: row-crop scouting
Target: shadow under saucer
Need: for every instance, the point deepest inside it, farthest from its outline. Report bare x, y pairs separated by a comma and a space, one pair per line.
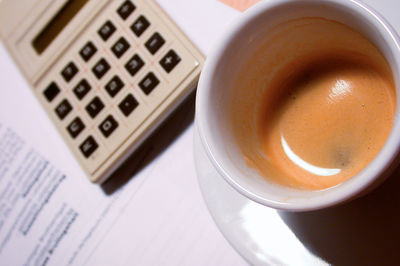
365, 231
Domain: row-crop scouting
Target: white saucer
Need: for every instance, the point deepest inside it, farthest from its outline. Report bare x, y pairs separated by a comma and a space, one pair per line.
364, 231
257, 232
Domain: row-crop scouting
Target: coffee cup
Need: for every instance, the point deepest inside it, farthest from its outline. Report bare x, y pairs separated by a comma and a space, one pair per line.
297, 104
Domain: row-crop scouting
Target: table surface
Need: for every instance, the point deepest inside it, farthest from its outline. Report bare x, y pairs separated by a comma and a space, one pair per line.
163, 220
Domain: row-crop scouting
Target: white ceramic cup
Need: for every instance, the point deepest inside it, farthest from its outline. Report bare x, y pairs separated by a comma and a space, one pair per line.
214, 95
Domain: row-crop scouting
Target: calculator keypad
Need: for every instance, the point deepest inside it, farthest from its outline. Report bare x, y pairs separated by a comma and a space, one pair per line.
114, 86
100, 68
106, 30
88, 146
51, 91
69, 71
148, 83
88, 51
126, 9
140, 25
128, 105
94, 107
154, 43
113, 78
134, 64
170, 60
120, 47
108, 126
75, 127
63, 109
82, 89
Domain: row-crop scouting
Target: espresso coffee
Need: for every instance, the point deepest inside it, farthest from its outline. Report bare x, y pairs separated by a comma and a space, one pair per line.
321, 98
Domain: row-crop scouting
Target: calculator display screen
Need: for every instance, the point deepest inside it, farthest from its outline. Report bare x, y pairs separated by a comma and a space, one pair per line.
57, 24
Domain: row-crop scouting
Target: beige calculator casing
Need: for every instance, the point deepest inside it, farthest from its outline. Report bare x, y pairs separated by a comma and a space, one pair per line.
22, 20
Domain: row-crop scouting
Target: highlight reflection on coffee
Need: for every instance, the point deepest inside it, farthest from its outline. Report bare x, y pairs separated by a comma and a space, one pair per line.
328, 103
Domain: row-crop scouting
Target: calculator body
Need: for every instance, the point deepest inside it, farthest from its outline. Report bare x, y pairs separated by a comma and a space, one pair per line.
107, 72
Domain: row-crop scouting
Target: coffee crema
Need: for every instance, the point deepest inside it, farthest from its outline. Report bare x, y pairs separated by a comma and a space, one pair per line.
327, 108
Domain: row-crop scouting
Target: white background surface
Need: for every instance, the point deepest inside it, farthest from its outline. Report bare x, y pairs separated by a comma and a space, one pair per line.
165, 221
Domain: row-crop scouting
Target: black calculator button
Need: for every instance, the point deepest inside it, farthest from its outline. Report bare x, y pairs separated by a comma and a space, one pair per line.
88, 51
169, 61
82, 89
69, 71
63, 109
140, 26
94, 107
108, 126
126, 9
75, 127
100, 68
120, 47
148, 83
88, 146
106, 30
51, 91
154, 43
128, 105
114, 86
134, 64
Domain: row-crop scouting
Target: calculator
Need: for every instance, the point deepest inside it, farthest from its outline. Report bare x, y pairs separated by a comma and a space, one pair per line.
107, 72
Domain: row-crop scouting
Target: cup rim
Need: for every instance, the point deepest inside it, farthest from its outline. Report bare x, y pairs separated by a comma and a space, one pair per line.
339, 193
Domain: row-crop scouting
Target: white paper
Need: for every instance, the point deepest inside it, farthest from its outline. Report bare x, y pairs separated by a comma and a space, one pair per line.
158, 217
49, 216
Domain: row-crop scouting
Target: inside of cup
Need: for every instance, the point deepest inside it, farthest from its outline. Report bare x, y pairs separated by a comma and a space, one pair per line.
234, 109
